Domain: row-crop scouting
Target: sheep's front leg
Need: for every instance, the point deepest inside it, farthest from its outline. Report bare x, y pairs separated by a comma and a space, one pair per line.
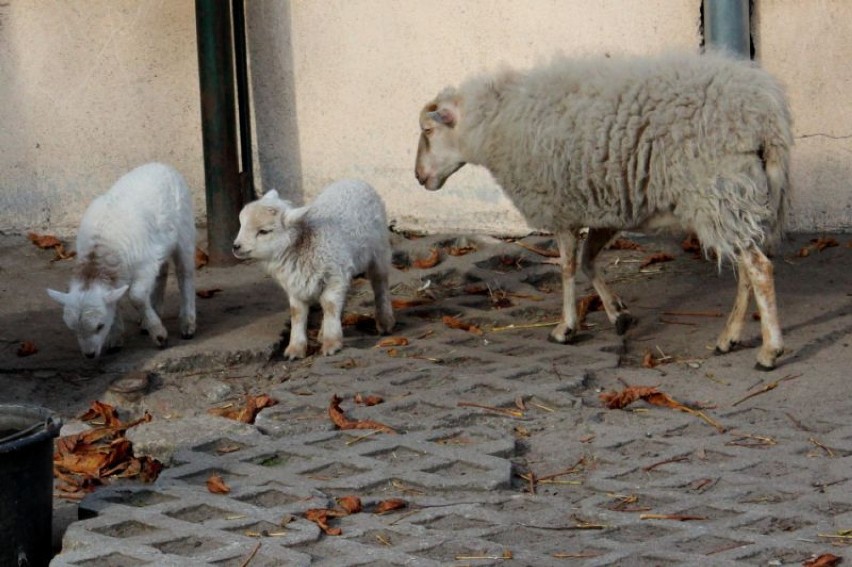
140, 297
616, 310
298, 346
730, 336
332, 301
378, 274
185, 269
115, 338
159, 293
761, 275
567, 327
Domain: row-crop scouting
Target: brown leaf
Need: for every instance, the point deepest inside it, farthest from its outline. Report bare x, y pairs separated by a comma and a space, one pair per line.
624, 244
460, 250
648, 361
691, 244
104, 413
586, 305
824, 560
389, 505
27, 348
405, 303
249, 411
392, 342
207, 293
352, 504
476, 289
201, 258
818, 245
455, 323
429, 262
656, 259
61, 254
216, 485
548, 253
320, 517
353, 319
619, 400
342, 422
368, 400
44, 241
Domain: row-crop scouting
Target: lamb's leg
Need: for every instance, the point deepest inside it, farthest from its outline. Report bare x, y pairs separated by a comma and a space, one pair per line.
185, 268
616, 310
761, 275
332, 301
115, 338
298, 346
140, 296
378, 274
730, 336
159, 293
567, 327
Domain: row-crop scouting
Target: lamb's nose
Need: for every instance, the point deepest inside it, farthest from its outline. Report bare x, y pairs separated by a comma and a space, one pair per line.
419, 176
90, 355
236, 246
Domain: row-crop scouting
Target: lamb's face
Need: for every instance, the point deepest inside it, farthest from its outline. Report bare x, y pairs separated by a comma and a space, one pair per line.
263, 231
438, 152
90, 314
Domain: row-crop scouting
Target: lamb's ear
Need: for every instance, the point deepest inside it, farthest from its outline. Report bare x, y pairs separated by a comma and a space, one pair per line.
445, 116
58, 296
271, 194
114, 295
293, 217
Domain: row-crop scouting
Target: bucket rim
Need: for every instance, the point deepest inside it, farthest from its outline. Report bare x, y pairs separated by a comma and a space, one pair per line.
43, 425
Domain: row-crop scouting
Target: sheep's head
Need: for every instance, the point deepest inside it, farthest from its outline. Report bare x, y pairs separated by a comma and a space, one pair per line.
438, 153
268, 226
90, 312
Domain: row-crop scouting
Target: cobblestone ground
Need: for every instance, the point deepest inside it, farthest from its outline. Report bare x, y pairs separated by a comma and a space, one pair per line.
503, 451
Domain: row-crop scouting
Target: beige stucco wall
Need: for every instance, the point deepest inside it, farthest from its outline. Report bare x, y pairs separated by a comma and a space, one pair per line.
91, 88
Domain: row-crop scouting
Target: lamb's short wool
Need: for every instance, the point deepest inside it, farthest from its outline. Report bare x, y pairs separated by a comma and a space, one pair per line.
126, 239
692, 142
315, 251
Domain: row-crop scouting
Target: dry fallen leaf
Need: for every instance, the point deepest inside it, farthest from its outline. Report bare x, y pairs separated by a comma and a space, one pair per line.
656, 259
368, 400
460, 250
619, 400
201, 258
392, 342
44, 241
27, 348
389, 505
352, 504
546, 252
586, 305
691, 244
818, 245
342, 422
207, 293
455, 323
429, 262
216, 485
249, 411
320, 517
353, 319
624, 244
648, 361
405, 303
824, 560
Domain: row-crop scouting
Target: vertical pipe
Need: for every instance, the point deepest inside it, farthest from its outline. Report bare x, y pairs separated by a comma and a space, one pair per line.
241, 68
218, 128
726, 26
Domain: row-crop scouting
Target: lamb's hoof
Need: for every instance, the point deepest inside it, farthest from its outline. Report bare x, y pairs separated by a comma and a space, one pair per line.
385, 327
112, 349
562, 338
162, 341
720, 350
624, 322
187, 336
763, 368
331, 347
295, 352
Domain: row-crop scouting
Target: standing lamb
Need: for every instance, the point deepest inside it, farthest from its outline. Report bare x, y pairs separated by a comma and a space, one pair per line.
700, 143
125, 241
315, 251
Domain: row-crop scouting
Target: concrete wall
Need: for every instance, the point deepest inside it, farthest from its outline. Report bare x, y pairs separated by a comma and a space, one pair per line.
91, 88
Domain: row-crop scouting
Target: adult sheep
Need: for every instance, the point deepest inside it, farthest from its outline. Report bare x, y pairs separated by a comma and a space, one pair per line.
693, 142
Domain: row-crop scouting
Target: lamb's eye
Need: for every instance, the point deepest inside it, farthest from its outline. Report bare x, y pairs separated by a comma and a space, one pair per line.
263, 231
99, 328
428, 131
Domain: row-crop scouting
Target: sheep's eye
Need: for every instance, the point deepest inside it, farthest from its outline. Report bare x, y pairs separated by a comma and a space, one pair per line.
263, 231
427, 131
99, 328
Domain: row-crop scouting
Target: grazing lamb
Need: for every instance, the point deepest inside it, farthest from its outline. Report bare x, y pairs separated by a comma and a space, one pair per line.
125, 241
700, 143
315, 251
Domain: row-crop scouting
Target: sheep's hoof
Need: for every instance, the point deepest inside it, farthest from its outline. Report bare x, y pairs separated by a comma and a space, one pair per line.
295, 352
162, 341
763, 368
187, 336
624, 322
725, 349
112, 349
564, 338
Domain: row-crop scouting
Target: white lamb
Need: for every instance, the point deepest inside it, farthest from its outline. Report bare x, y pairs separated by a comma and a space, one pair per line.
699, 143
126, 239
315, 251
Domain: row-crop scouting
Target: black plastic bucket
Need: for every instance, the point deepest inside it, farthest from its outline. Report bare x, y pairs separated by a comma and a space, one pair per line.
26, 484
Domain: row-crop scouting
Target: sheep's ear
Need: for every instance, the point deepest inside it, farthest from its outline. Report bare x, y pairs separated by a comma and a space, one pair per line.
271, 194
58, 296
293, 217
443, 116
115, 294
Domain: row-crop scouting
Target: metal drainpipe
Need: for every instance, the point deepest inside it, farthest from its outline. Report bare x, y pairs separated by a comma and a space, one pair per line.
241, 69
726, 26
218, 129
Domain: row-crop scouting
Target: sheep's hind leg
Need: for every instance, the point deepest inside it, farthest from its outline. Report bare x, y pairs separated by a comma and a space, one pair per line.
378, 274
616, 310
332, 301
761, 275
298, 346
566, 329
185, 269
732, 332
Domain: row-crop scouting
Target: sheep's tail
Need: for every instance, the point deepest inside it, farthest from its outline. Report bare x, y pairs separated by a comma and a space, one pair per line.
776, 164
